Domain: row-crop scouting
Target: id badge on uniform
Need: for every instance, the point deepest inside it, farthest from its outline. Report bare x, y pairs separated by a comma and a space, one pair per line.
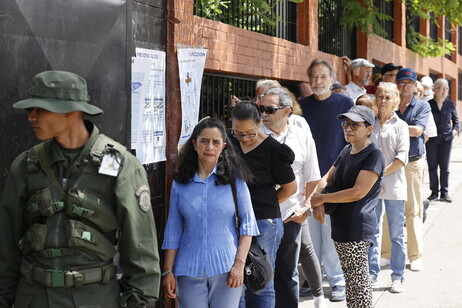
109, 165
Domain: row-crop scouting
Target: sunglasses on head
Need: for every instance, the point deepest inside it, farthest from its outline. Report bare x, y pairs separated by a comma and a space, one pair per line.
269, 109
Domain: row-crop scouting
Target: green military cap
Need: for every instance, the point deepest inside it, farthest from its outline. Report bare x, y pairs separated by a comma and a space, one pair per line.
59, 92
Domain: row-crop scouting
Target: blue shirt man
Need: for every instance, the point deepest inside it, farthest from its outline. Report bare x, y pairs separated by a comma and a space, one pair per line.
415, 113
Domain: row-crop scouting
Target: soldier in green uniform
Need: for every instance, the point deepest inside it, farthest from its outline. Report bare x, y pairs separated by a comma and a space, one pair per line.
69, 204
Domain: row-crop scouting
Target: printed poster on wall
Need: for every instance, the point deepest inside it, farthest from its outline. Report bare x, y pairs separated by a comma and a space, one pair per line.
148, 105
191, 64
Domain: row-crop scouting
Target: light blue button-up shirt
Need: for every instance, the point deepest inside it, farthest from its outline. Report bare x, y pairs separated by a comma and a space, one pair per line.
201, 225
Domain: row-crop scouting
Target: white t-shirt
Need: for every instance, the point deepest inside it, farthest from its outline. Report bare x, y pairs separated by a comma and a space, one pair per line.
305, 165
430, 129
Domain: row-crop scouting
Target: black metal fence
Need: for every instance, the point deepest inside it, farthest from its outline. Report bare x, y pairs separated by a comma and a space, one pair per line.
433, 76
459, 86
332, 37
433, 27
279, 22
412, 24
447, 34
450, 85
459, 48
216, 94
387, 8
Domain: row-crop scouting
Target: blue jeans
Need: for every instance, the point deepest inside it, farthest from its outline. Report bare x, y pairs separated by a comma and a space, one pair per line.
204, 291
321, 237
286, 271
271, 231
395, 216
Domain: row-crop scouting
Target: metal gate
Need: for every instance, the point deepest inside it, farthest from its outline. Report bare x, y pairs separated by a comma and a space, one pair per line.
217, 91
332, 38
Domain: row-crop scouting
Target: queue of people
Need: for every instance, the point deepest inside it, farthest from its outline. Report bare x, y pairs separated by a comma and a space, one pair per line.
282, 164
374, 159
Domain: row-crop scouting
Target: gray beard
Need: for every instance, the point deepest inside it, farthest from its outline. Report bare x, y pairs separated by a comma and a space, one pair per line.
325, 91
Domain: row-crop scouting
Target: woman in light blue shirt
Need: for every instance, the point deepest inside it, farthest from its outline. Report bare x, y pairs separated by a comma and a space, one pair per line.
205, 256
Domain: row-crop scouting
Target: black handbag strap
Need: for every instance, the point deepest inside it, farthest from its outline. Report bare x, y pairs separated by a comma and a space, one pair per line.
237, 220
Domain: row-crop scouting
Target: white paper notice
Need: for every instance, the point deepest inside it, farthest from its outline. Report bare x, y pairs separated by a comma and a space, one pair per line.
148, 105
191, 63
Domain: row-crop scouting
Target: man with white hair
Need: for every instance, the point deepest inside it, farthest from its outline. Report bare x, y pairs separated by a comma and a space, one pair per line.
276, 107
361, 72
427, 84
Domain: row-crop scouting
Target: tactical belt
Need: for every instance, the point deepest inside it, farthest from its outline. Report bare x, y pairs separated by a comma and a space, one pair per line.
67, 279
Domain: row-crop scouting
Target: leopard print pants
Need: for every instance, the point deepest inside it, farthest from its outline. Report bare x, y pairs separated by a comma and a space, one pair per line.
354, 259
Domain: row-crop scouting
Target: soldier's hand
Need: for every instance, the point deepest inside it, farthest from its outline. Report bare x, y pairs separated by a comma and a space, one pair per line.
169, 284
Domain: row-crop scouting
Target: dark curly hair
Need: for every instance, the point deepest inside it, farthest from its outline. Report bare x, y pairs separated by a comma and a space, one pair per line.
230, 164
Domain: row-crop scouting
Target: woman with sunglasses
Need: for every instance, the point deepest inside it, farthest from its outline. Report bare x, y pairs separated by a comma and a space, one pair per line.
269, 162
356, 178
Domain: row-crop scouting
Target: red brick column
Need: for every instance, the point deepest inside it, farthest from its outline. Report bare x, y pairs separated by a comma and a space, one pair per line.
400, 23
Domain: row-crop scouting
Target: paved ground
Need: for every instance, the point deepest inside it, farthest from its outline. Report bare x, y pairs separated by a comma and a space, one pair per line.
440, 283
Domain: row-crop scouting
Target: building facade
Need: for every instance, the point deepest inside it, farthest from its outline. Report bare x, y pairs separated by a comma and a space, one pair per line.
241, 52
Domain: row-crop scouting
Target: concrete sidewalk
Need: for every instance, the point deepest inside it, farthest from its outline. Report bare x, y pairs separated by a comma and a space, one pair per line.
440, 283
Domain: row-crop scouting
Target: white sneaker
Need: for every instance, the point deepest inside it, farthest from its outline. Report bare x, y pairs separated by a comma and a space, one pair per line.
374, 280
384, 261
417, 265
320, 302
397, 286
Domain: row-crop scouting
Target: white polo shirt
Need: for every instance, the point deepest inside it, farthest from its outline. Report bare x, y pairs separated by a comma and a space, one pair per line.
353, 91
393, 140
305, 165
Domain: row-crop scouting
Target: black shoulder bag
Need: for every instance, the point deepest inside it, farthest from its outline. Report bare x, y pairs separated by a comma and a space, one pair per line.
258, 271
336, 185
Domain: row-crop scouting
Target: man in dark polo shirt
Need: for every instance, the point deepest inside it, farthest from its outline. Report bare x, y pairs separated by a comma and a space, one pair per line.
320, 111
415, 113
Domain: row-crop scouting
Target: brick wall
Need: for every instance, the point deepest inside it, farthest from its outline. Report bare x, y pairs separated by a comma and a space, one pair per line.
236, 51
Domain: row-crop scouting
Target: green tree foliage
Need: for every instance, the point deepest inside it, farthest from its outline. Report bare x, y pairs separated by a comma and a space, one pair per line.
367, 17
262, 12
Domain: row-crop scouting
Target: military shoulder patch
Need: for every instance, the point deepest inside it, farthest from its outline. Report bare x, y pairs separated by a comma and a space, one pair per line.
144, 198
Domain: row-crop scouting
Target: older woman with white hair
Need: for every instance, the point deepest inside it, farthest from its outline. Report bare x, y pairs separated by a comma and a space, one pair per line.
391, 135
439, 148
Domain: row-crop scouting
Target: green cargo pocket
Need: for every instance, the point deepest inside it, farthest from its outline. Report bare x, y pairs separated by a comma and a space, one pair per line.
88, 207
33, 239
81, 236
41, 204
